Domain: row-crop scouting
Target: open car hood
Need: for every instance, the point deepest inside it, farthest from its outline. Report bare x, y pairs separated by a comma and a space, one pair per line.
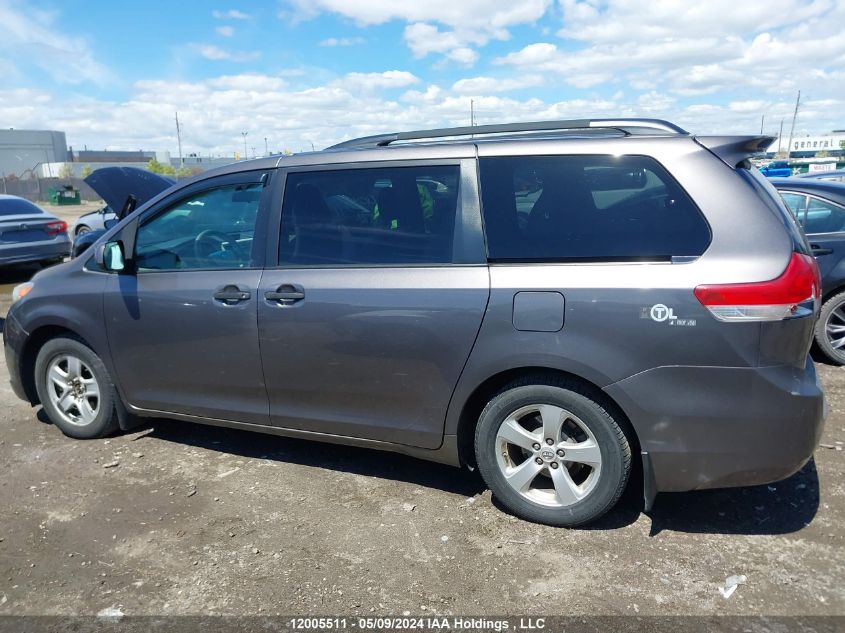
117, 185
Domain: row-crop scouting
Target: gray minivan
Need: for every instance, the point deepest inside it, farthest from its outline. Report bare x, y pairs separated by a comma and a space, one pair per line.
552, 303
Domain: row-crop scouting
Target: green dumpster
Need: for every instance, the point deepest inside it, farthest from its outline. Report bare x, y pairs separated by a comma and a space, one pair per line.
65, 195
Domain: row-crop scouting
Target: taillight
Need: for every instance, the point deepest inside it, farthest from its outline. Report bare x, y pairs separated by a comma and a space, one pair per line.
791, 295
54, 228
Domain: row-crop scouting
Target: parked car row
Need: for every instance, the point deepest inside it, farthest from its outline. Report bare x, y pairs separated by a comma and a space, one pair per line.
552, 308
819, 206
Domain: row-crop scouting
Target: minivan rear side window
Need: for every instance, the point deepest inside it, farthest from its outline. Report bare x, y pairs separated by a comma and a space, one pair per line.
369, 216
587, 208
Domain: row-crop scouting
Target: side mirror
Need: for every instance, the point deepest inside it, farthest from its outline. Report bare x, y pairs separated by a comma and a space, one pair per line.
111, 256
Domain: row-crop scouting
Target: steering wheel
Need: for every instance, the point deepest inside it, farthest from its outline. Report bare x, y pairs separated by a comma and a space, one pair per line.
211, 241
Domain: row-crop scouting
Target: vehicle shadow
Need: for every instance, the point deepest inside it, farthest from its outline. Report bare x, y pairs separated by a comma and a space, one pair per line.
350, 459
780, 508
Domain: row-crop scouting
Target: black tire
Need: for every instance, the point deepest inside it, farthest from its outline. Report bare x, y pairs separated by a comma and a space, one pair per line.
612, 443
827, 315
105, 422
82, 229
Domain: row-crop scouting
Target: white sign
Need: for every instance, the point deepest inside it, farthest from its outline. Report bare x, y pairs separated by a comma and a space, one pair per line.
822, 167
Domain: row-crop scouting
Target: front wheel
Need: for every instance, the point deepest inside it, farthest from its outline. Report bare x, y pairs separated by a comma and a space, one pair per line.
75, 389
551, 454
82, 229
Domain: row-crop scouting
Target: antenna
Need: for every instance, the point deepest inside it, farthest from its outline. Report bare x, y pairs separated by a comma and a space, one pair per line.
792, 129
179, 141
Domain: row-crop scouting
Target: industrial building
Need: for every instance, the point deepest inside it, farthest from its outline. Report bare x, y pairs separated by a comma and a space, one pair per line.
23, 151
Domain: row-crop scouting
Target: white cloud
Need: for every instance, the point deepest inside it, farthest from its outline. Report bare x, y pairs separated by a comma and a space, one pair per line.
215, 111
231, 14
692, 49
342, 41
466, 22
225, 31
376, 81
216, 53
463, 56
481, 85
36, 36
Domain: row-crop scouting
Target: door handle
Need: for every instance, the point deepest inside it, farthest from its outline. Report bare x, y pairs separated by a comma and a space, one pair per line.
819, 250
285, 294
231, 294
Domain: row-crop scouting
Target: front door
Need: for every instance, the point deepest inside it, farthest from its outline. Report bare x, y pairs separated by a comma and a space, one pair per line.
183, 326
369, 318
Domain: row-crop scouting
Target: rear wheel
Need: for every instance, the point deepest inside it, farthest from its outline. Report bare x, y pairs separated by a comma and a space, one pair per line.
552, 454
75, 389
830, 329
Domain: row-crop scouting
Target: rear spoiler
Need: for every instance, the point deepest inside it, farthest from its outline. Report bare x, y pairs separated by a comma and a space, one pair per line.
733, 150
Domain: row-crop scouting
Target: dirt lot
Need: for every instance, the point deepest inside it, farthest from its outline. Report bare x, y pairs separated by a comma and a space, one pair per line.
186, 519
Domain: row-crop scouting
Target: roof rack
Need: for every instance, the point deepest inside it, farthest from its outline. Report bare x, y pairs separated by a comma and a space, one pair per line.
623, 125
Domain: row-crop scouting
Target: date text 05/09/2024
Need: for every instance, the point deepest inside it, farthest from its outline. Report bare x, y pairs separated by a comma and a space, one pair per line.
406, 623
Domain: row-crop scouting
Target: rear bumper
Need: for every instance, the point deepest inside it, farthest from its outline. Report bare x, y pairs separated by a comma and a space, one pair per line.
715, 427
34, 252
14, 338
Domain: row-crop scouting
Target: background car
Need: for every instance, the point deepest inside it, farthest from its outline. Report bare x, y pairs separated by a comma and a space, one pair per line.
776, 169
30, 234
819, 206
99, 220
833, 176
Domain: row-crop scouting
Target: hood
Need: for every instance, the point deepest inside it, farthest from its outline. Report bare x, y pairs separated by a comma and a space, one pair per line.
117, 185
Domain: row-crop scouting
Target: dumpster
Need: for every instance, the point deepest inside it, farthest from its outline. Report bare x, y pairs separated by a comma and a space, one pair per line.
65, 195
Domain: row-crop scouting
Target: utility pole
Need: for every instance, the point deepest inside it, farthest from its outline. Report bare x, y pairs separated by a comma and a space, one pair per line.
266, 147
244, 135
472, 112
792, 129
780, 136
179, 141
762, 120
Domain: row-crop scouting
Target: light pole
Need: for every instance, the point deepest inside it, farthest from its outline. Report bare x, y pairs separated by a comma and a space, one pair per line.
244, 135
266, 147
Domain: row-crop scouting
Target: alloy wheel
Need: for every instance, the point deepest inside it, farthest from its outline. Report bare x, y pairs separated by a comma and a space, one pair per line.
548, 455
73, 389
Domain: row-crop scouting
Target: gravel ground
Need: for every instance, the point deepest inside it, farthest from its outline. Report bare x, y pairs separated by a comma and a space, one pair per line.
179, 518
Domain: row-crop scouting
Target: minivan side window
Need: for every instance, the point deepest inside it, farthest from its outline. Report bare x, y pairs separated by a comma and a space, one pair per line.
589, 208
210, 229
360, 217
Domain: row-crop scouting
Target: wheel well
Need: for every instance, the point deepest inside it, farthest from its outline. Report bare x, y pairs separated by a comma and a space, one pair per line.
30, 353
832, 293
484, 392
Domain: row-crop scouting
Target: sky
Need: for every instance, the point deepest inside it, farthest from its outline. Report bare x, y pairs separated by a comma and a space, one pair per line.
303, 73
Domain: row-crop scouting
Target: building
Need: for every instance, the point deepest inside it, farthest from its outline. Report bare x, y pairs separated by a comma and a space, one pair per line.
23, 151
810, 146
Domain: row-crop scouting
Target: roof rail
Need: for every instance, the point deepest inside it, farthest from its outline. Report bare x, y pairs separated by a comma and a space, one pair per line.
623, 125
